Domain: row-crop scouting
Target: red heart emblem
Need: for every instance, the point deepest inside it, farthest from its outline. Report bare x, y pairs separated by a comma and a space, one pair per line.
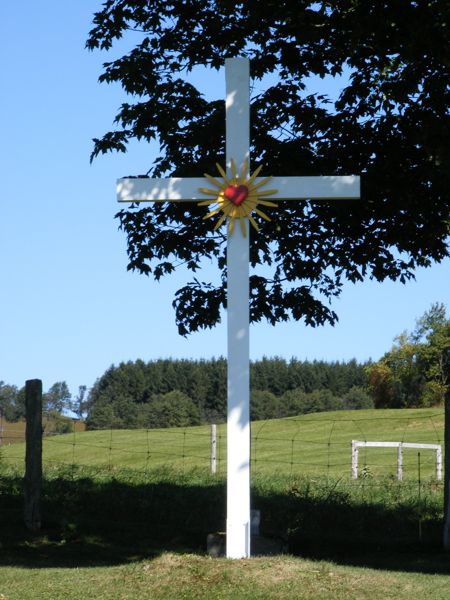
236, 194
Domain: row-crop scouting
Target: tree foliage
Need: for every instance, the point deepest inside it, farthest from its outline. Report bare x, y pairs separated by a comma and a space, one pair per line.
170, 393
416, 371
79, 405
390, 124
57, 398
54, 402
12, 402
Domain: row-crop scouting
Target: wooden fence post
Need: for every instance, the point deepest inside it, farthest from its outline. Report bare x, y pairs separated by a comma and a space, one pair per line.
354, 460
33, 454
439, 463
446, 528
400, 462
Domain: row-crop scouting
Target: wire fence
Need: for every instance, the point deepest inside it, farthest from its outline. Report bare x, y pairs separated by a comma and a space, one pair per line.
307, 445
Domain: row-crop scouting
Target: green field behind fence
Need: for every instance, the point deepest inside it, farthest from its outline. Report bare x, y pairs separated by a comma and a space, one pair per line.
315, 444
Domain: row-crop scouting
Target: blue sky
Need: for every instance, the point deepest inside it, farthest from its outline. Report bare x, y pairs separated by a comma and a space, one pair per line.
69, 308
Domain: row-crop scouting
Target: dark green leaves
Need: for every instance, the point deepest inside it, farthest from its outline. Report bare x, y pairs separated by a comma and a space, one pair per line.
391, 124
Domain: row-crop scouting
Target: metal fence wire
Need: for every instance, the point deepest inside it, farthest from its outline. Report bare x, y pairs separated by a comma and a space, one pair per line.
307, 445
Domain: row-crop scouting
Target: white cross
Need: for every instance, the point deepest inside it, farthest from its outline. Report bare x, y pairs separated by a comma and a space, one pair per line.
187, 189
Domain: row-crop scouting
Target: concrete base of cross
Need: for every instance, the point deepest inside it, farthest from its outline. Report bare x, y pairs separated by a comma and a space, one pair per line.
260, 545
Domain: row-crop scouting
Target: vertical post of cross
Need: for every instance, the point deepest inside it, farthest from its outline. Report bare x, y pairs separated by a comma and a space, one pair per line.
237, 73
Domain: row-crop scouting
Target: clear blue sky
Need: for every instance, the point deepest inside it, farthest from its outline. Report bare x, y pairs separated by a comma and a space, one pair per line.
69, 308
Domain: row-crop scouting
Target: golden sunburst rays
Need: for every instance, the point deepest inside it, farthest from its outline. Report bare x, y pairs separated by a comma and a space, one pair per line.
237, 197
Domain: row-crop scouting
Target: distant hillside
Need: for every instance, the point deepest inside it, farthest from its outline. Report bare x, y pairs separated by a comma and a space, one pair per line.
13, 433
311, 444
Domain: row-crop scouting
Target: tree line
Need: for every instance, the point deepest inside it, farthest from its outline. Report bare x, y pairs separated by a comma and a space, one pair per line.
55, 401
169, 393
165, 393
414, 373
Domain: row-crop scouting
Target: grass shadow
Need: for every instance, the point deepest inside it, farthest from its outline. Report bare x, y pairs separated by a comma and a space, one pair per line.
87, 522
385, 526
100, 519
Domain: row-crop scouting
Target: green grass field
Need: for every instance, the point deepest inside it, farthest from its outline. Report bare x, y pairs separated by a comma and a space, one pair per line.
311, 444
126, 514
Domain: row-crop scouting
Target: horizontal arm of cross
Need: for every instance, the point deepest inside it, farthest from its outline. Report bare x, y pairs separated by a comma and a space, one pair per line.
185, 189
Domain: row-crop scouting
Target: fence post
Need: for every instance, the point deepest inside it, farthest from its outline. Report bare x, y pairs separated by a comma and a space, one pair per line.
213, 448
33, 454
439, 463
400, 462
354, 460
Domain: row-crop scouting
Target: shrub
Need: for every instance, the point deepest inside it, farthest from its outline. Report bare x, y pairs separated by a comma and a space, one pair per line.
55, 422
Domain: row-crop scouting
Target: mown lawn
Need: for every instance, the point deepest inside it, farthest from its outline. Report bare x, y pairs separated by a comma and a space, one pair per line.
175, 576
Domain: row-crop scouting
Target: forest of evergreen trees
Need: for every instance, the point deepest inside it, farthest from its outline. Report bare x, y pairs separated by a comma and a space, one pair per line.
414, 373
168, 393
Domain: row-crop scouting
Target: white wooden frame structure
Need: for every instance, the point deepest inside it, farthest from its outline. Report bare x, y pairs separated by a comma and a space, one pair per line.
237, 106
356, 445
